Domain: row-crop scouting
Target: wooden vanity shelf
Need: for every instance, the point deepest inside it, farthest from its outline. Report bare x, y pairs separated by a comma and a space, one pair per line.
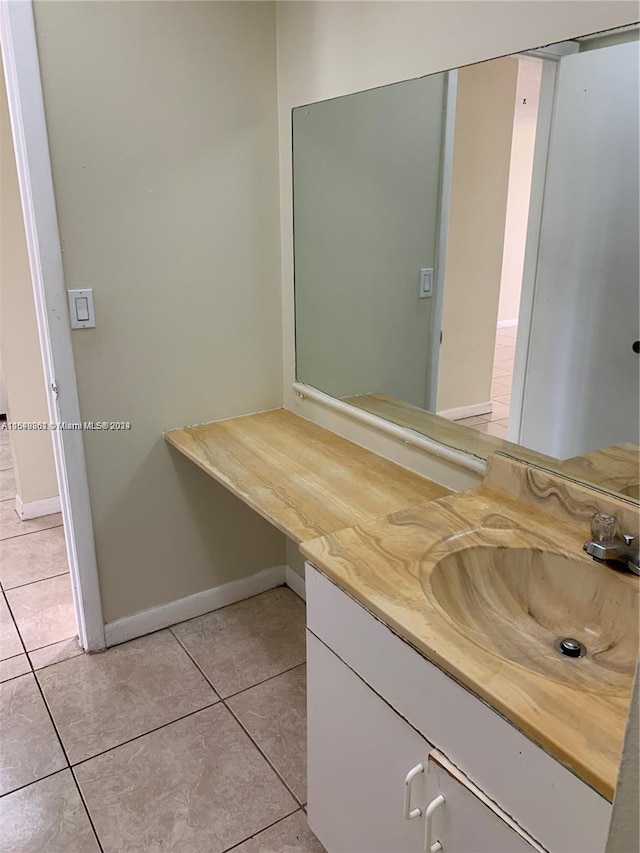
302, 478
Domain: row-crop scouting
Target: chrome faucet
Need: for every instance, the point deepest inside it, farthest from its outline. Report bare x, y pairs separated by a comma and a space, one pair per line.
606, 545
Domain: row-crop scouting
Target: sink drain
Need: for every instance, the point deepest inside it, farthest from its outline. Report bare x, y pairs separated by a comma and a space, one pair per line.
569, 647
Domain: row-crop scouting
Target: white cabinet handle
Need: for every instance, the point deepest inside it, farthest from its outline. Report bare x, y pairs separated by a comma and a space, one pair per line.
433, 805
408, 812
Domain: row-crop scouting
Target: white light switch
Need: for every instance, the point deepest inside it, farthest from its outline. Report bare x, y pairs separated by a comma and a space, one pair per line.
426, 283
81, 311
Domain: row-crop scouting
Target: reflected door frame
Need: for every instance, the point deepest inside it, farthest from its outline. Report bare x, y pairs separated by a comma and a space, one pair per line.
551, 56
446, 172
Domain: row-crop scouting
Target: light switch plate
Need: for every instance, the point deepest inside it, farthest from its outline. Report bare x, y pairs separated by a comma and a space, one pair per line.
81, 311
426, 283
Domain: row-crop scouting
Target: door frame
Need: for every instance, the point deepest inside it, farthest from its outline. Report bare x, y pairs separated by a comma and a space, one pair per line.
444, 205
31, 146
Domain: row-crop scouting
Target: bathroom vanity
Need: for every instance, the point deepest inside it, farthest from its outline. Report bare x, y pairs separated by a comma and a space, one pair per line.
469, 665
432, 673
375, 709
441, 711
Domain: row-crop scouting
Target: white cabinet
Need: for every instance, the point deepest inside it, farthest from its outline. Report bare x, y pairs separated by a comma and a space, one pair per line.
359, 753
369, 770
467, 821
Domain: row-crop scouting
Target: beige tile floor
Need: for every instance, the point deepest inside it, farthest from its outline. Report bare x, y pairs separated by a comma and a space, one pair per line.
497, 422
188, 740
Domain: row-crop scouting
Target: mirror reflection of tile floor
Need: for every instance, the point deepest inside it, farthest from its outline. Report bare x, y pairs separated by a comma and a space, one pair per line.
498, 421
188, 740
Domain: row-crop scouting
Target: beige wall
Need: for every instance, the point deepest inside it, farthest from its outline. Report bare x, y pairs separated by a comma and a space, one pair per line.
163, 137
295, 560
327, 49
522, 148
485, 104
32, 452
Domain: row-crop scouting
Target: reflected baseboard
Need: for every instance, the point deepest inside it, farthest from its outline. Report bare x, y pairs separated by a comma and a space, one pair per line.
462, 412
37, 509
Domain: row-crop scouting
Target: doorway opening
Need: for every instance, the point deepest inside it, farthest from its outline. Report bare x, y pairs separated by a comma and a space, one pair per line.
27, 149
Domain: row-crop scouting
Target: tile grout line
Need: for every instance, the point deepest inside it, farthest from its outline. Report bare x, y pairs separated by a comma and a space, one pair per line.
22, 586
39, 580
144, 734
264, 681
26, 652
264, 829
262, 753
211, 684
86, 808
56, 662
56, 642
235, 717
11, 657
22, 642
55, 729
192, 659
35, 782
29, 532
13, 677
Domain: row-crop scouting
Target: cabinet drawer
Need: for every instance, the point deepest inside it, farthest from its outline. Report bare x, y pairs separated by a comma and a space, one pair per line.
467, 821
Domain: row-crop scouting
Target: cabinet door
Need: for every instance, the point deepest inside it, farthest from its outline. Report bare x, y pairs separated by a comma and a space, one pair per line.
467, 821
359, 753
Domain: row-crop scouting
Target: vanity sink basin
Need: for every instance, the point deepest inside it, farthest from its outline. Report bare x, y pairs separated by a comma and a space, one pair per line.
521, 603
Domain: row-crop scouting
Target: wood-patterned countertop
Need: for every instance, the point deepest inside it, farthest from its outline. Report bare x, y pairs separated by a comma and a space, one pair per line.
388, 566
302, 478
378, 531
613, 469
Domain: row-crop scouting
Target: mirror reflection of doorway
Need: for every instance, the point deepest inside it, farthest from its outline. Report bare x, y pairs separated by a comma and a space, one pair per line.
495, 420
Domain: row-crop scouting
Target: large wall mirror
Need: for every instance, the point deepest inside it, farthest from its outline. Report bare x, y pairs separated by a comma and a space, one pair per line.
466, 255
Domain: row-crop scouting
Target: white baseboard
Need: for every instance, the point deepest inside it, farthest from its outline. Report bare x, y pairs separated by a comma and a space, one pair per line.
36, 509
467, 411
507, 324
164, 615
295, 582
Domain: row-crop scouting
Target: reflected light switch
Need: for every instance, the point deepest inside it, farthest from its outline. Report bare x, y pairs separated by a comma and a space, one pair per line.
82, 308
81, 311
425, 288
